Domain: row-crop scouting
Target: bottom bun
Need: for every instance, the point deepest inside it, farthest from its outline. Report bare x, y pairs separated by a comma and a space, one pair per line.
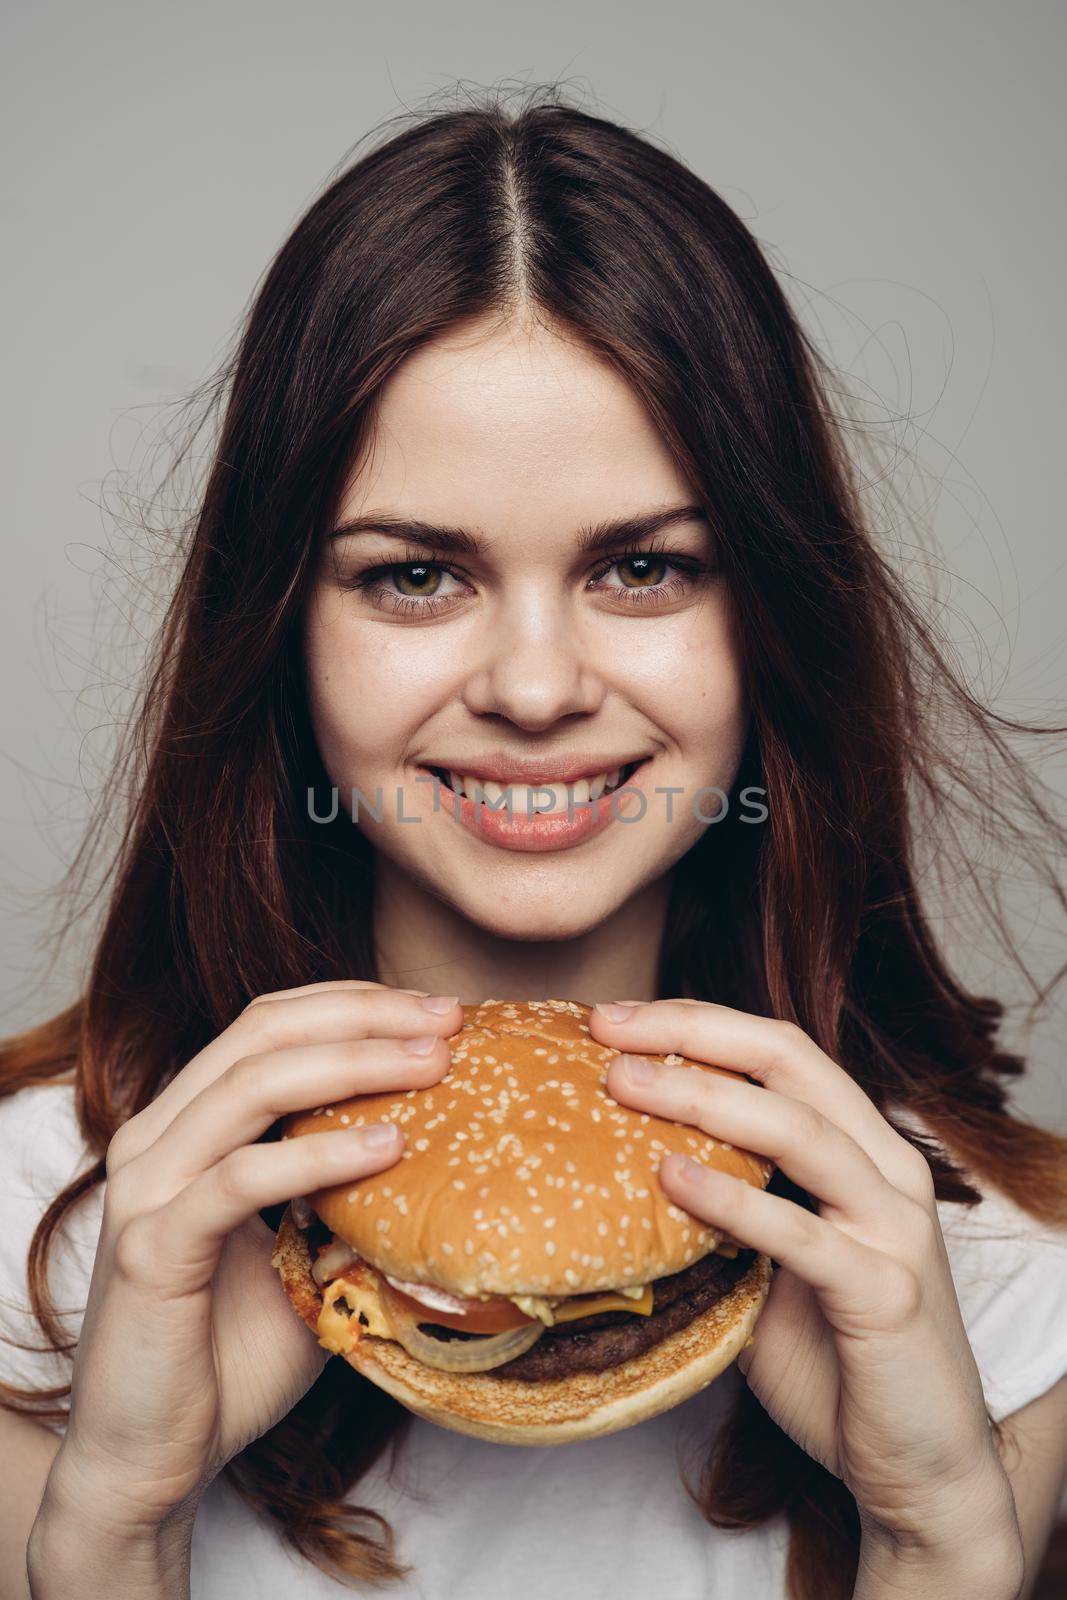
583, 1405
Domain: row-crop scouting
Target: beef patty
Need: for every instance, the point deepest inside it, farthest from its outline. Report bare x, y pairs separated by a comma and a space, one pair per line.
608, 1338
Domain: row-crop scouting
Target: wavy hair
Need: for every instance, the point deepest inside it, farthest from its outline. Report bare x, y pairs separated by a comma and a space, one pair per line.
219, 888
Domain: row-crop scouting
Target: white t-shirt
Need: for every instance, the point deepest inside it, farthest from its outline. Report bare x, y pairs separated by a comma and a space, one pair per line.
479, 1520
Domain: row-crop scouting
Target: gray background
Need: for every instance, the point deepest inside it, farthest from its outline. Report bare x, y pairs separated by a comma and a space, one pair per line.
902, 165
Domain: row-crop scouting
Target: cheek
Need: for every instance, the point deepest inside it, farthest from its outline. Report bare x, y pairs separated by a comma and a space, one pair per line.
364, 695
690, 680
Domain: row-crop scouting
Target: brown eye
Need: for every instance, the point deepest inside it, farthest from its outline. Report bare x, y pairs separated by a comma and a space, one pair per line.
646, 569
424, 580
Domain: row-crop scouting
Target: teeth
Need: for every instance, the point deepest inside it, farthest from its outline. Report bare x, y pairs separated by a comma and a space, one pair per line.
541, 797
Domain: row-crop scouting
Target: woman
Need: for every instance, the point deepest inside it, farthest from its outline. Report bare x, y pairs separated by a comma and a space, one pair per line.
528, 474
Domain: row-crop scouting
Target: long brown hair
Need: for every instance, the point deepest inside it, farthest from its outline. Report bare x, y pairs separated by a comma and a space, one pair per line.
221, 888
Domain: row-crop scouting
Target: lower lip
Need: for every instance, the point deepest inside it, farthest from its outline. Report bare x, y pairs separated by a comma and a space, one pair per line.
555, 830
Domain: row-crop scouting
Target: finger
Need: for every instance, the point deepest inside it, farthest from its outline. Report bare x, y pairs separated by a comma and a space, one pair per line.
175, 1248
778, 1055
810, 1149
812, 1247
323, 1014
239, 1106
790, 1338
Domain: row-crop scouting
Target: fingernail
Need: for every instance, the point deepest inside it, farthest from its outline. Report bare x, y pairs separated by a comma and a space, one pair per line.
614, 1011
379, 1134
639, 1069
688, 1170
422, 1045
440, 1003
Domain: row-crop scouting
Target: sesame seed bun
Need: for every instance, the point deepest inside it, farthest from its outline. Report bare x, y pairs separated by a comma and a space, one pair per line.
521, 1176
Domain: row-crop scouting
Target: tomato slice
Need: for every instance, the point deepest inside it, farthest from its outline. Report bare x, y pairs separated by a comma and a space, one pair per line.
491, 1316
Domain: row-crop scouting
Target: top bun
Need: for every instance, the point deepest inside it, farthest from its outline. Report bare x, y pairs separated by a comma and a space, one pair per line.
520, 1174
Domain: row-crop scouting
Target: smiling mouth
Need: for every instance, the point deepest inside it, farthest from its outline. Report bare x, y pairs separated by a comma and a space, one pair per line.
540, 796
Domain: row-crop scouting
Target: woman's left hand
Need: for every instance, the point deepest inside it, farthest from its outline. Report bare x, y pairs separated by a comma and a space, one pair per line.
860, 1353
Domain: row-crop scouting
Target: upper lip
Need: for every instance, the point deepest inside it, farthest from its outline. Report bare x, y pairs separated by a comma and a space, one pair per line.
499, 767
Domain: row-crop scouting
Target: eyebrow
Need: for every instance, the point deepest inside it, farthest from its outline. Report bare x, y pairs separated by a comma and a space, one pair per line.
591, 537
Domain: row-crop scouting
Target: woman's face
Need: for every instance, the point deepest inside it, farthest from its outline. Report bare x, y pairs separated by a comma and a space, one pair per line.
526, 644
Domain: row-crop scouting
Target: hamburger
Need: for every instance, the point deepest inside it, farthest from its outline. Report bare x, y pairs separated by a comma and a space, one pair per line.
519, 1274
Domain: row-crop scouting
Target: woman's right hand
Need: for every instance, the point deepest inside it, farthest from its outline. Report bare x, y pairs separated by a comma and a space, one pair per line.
189, 1348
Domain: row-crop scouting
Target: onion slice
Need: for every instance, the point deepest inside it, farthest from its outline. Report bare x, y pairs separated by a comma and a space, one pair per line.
333, 1261
455, 1355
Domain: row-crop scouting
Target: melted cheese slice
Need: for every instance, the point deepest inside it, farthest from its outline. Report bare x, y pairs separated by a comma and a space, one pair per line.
341, 1333
553, 1311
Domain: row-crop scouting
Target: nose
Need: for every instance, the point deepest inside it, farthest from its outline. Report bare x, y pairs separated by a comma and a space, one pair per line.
531, 666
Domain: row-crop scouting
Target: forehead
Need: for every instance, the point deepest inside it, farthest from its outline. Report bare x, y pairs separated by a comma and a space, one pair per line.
511, 427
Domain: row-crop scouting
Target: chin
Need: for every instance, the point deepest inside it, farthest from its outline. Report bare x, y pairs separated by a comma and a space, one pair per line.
536, 923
